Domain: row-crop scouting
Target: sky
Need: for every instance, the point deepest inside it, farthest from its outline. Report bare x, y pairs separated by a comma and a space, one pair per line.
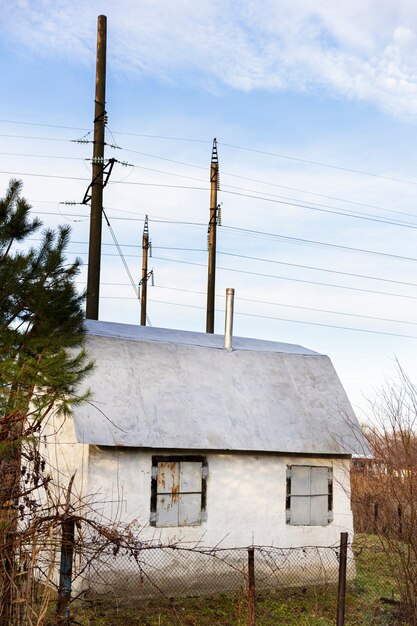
314, 107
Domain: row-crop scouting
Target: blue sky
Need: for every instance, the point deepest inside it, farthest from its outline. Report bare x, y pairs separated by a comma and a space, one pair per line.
334, 85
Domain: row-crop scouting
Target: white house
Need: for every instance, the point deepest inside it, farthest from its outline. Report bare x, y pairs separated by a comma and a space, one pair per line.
203, 444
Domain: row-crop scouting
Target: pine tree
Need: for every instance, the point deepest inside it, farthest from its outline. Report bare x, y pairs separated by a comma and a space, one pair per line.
42, 358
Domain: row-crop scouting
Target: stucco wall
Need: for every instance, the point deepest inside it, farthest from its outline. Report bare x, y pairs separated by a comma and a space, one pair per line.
65, 458
245, 498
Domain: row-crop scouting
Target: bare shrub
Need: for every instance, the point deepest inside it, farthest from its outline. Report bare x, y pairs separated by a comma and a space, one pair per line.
384, 488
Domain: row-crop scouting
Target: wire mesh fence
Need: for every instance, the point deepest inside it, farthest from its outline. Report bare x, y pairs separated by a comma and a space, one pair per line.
373, 570
168, 572
176, 572
195, 586
191, 585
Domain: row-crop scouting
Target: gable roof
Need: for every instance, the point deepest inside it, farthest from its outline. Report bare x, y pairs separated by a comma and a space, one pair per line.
160, 388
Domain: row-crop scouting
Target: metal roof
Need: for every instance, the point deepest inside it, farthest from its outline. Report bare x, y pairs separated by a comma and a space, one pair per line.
185, 337
161, 388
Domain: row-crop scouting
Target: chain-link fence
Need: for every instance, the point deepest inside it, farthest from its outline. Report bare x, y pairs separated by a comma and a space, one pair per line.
374, 575
180, 571
98, 581
261, 584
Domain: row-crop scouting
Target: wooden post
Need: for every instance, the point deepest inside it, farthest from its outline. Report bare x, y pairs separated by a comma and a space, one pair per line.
94, 250
376, 516
251, 586
211, 279
65, 571
342, 580
144, 281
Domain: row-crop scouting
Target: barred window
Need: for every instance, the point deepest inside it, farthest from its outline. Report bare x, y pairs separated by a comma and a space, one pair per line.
178, 490
309, 495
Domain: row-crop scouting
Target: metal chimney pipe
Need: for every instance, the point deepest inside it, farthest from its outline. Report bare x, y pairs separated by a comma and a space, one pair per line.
228, 328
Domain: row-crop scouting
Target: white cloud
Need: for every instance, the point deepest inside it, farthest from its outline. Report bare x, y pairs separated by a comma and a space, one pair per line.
365, 51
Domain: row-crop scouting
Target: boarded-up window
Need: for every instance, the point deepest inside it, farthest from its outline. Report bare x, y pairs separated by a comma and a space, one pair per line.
178, 495
309, 495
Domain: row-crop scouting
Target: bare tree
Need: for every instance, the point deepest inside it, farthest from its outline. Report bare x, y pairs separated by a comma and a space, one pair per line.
384, 488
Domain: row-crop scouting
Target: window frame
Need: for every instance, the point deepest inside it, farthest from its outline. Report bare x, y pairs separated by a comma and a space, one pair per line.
329, 494
178, 458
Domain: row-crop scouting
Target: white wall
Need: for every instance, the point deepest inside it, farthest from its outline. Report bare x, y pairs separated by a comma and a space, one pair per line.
65, 458
245, 498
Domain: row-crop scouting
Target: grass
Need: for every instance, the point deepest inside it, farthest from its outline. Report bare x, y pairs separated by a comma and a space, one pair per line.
300, 607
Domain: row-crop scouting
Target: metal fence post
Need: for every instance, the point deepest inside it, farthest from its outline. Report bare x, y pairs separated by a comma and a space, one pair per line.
251, 585
342, 580
65, 571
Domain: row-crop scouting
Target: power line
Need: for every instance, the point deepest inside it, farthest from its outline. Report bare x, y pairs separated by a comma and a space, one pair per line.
313, 242
257, 301
43, 175
289, 306
319, 269
292, 201
298, 265
286, 201
34, 137
124, 182
154, 156
44, 125
281, 199
42, 156
126, 266
121, 255
314, 193
318, 163
179, 249
227, 145
161, 158
135, 165
169, 138
287, 278
127, 219
257, 233
324, 210
280, 319
116, 132
168, 221
253, 258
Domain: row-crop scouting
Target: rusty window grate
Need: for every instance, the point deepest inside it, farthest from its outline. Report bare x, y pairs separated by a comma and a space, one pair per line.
178, 490
309, 499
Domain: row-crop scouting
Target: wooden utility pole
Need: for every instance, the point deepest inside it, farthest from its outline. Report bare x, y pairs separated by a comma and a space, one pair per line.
211, 282
341, 595
251, 586
65, 571
94, 251
144, 281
